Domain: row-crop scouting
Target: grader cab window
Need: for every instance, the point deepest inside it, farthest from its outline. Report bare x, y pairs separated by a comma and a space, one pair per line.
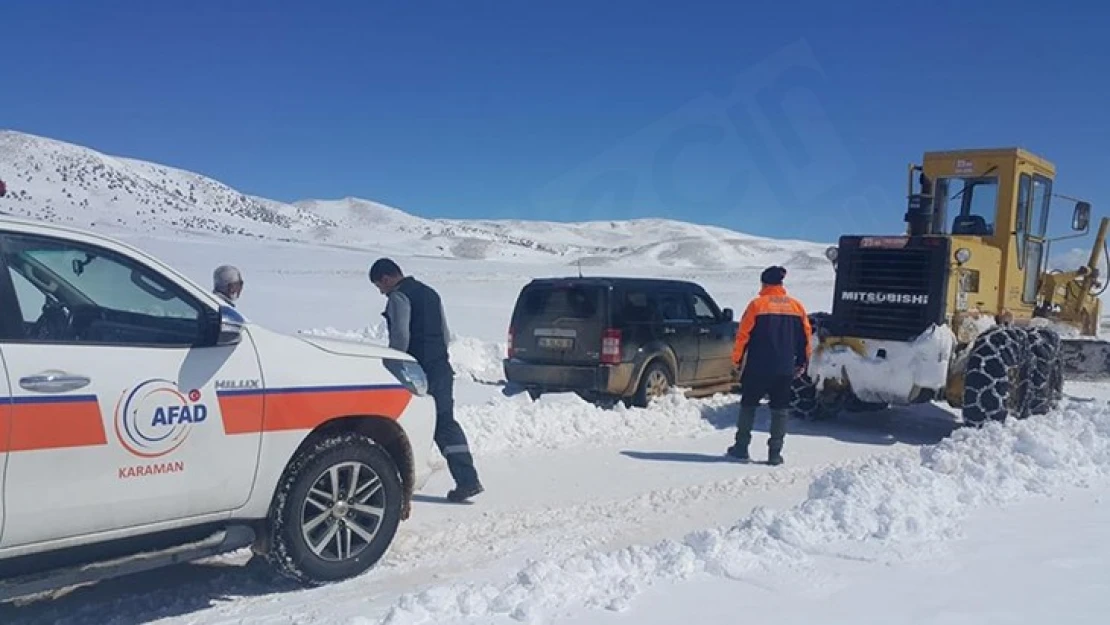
972, 202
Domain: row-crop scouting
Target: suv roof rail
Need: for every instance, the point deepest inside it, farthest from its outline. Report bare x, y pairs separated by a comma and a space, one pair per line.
612, 280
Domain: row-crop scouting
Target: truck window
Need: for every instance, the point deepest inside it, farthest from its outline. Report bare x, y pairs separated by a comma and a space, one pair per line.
973, 201
561, 302
704, 310
673, 306
635, 307
31, 300
1042, 197
1022, 218
81, 294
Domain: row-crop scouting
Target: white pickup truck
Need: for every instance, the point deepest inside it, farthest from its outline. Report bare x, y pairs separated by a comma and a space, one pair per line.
143, 423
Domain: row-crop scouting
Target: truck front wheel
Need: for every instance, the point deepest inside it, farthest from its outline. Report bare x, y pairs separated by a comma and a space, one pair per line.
1046, 377
996, 381
336, 511
810, 404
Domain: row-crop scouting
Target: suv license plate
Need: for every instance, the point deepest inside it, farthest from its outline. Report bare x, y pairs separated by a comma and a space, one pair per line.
549, 342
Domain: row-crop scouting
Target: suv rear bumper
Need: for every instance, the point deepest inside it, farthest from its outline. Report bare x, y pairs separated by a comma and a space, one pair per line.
555, 378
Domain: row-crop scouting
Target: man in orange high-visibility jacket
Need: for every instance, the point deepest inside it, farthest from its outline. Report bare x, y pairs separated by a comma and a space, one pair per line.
772, 348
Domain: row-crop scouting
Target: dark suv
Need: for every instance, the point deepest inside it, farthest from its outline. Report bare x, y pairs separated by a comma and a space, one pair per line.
619, 338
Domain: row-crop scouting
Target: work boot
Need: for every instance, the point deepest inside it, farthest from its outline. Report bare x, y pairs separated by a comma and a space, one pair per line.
779, 418
744, 423
461, 493
738, 452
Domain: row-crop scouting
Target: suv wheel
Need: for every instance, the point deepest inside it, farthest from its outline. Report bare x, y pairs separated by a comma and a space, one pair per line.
656, 381
336, 510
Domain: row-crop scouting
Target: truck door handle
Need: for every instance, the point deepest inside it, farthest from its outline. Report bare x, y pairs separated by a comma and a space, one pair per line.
703, 331
53, 382
668, 330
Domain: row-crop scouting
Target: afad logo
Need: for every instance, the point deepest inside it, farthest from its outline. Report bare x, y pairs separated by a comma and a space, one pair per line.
154, 418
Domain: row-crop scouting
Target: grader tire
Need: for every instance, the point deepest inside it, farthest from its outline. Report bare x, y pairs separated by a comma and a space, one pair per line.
997, 378
1046, 370
806, 402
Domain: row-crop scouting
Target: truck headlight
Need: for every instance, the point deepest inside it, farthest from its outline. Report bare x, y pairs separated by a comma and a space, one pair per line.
963, 255
410, 374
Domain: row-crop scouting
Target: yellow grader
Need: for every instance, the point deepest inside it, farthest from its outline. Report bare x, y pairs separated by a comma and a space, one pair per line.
962, 306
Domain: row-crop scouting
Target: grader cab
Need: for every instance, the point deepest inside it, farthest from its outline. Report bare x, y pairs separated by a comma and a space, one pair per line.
962, 306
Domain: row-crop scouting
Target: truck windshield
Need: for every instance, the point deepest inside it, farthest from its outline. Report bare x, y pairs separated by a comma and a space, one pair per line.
971, 201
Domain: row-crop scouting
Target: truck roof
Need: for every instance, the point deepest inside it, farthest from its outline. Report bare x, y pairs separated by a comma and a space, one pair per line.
27, 222
613, 281
999, 152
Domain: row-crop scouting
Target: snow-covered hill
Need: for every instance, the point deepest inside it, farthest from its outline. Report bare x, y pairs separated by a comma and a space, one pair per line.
66, 183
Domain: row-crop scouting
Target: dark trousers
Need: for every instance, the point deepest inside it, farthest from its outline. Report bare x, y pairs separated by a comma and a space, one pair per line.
449, 435
754, 388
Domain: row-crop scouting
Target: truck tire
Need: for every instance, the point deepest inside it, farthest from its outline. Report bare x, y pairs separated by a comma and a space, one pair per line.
996, 381
656, 375
808, 404
1046, 370
336, 510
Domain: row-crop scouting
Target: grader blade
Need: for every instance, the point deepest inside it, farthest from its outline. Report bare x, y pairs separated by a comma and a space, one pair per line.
1085, 359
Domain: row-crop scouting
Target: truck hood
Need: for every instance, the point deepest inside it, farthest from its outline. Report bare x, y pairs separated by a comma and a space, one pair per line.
346, 347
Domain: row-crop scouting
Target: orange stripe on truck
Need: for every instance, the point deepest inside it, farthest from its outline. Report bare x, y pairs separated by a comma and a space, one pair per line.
242, 412
307, 408
37, 423
41, 423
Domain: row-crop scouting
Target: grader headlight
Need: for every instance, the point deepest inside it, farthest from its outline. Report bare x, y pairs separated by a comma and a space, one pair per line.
832, 253
963, 255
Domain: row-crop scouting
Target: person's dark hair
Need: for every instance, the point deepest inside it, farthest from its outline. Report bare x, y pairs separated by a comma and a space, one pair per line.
384, 267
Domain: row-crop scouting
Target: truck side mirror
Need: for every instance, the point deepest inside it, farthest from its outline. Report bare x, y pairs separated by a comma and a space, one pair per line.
1081, 218
231, 327
728, 314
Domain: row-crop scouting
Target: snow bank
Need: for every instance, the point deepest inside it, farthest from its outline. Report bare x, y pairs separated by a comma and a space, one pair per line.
473, 359
478, 360
564, 420
560, 420
888, 507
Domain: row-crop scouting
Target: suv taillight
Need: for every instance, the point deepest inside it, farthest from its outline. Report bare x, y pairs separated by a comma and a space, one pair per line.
511, 351
611, 346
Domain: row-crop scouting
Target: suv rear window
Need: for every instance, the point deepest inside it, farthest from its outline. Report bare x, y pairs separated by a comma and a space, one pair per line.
561, 302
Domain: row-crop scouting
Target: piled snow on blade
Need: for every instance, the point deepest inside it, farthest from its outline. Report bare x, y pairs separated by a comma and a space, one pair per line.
472, 359
1065, 330
895, 506
565, 420
921, 363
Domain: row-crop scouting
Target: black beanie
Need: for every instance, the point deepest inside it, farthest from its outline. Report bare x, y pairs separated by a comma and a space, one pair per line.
773, 275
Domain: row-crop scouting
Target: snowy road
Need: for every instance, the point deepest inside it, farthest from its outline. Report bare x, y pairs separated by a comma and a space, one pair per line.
540, 503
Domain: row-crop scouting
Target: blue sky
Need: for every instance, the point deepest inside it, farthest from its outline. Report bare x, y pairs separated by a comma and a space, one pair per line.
775, 118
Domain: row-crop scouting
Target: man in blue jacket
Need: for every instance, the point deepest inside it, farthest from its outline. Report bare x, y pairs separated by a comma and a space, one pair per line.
772, 348
418, 326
